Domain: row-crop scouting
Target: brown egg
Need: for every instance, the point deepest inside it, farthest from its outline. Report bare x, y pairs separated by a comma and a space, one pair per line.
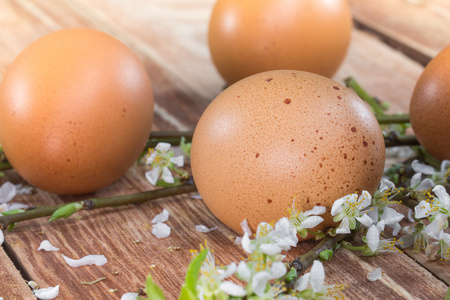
76, 109
430, 106
280, 134
251, 36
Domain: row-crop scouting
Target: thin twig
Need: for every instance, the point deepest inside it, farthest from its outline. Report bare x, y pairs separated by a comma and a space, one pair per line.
90, 204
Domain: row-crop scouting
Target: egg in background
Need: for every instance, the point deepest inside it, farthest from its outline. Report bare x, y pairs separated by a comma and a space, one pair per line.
251, 36
430, 106
282, 134
76, 109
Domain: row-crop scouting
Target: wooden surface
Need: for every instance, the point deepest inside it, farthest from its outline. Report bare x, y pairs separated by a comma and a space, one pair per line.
170, 38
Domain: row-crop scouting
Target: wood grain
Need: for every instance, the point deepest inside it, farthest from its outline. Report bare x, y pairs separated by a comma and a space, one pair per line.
417, 27
170, 38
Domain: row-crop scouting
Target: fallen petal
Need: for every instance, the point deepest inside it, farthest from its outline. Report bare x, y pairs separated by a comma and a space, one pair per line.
162, 217
98, 260
203, 228
161, 230
46, 246
47, 293
245, 227
7, 192
196, 196
129, 296
374, 275
2, 237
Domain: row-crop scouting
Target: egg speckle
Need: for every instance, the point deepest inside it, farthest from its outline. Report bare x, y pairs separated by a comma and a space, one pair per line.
430, 106
283, 134
76, 109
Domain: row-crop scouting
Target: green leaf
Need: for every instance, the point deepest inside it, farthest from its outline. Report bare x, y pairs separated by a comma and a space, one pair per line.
187, 294
162, 183
188, 290
326, 255
154, 292
185, 147
66, 211
306, 294
291, 275
13, 212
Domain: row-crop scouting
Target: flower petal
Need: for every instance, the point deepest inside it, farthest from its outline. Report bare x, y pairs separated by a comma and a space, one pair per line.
232, 289
374, 275
396, 229
23, 190
386, 184
47, 293
204, 229
161, 230
445, 164
415, 180
177, 160
259, 283
426, 184
152, 175
245, 227
365, 220
343, 227
163, 147
443, 196
129, 296
2, 237
317, 210
311, 222
317, 278
246, 243
7, 192
46, 246
373, 238
302, 283
98, 260
161, 217
364, 200
230, 270
337, 206
270, 249
422, 210
167, 175
278, 270
422, 168
243, 271
391, 216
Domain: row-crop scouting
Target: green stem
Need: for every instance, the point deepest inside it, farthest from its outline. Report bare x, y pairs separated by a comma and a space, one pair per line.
393, 119
393, 140
373, 102
351, 247
90, 204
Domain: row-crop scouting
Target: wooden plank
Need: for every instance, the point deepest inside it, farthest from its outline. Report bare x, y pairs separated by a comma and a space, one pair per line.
418, 27
13, 285
114, 232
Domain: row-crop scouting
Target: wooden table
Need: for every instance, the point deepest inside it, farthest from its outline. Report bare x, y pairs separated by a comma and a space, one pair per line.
391, 42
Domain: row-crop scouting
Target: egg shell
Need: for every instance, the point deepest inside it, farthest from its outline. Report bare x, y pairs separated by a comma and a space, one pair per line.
251, 36
280, 134
76, 109
430, 106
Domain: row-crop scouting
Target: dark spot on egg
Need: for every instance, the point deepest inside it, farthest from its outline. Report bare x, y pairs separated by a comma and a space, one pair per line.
339, 97
269, 201
345, 155
336, 88
318, 203
353, 129
269, 79
257, 155
292, 140
320, 165
365, 144
287, 101
365, 162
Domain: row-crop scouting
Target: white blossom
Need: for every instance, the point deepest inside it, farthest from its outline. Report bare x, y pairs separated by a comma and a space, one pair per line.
162, 160
302, 221
347, 208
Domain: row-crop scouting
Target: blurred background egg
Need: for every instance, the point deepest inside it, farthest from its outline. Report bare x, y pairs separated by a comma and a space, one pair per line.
76, 109
251, 36
430, 106
280, 134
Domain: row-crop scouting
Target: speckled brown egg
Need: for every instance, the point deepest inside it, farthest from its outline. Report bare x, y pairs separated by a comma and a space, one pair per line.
76, 109
251, 36
280, 134
430, 106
